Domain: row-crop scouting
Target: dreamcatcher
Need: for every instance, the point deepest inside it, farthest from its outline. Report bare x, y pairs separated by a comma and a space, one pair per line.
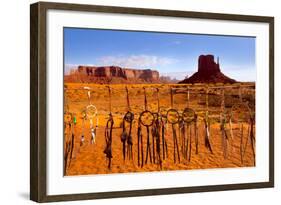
82, 139
156, 138
69, 139
91, 113
207, 123
242, 115
224, 135
126, 136
108, 133
173, 117
188, 117
69, 122
146, 119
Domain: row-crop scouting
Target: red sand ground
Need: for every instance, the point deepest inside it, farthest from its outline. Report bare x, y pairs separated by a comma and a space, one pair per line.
90, 159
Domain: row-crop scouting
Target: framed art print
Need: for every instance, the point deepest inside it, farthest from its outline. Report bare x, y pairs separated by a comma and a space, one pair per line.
134, 102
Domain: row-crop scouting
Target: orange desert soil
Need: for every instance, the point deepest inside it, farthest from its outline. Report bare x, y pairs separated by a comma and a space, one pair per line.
90, 159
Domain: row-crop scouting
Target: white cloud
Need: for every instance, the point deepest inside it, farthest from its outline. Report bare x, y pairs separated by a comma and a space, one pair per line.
136, 61
176, 75
69, 67
176, 42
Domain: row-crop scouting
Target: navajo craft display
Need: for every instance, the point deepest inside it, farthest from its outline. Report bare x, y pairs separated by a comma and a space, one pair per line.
157, 135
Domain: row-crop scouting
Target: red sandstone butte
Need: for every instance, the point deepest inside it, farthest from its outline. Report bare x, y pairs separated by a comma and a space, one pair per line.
208, 72
112, 74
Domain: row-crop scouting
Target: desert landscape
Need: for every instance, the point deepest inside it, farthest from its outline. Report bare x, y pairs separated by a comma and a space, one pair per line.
117, 124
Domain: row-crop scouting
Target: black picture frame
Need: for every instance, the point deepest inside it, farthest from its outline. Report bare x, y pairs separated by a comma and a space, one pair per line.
38, 102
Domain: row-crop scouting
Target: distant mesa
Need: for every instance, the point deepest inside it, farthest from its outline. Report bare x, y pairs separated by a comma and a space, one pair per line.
112, 74
208, 72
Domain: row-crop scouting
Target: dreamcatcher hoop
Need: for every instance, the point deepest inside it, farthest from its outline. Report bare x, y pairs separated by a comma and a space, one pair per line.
250, 114
68, 117
129, 117
143, 121
188, 115
173, 113
91, 111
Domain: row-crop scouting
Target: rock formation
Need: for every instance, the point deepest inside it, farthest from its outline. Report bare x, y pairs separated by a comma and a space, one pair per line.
112, 74
208, 72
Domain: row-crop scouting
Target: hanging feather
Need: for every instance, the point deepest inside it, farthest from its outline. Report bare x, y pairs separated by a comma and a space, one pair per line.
130, 144
129, 137
71, 149
153, 142
241, 142
186, 141
196, 133
230, 128
139, 142
207, 136
183, 134
158, 148
123, 140
148, 150
156, 138
190, 143
93, 135
164, 143
224, 138
176, 147
247, 139
82, 140
108, 139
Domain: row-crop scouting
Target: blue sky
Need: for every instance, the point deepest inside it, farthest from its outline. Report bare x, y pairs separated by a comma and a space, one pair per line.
174, 55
